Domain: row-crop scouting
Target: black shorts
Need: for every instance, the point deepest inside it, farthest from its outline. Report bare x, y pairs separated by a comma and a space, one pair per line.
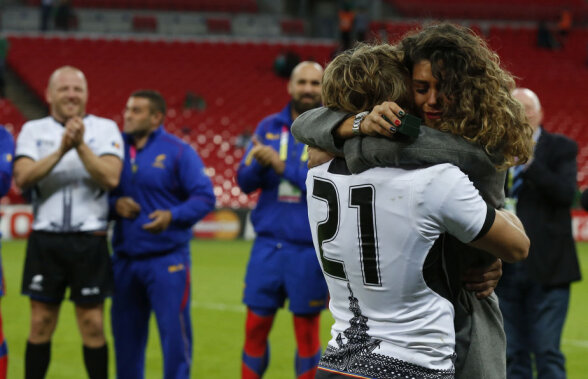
55, 261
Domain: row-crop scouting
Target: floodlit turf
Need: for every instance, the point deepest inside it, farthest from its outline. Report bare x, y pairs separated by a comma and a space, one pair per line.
218, 318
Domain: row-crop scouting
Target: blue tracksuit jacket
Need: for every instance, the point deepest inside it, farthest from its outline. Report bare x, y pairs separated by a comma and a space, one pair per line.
275, 215
166, 174
6, 157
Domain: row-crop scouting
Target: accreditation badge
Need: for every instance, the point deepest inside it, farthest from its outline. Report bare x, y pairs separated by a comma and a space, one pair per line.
288, 193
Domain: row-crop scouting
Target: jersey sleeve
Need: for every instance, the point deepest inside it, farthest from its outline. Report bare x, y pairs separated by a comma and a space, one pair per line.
26, 144
456, 205
6, 158
315, 128
111, 142
250, 174
197, 186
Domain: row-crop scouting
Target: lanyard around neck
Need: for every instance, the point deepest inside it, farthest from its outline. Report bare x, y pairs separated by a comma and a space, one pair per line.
133, 156
284, 136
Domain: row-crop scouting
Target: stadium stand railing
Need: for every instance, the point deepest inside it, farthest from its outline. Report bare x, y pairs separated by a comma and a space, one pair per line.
231, 6
536, 10
169, 22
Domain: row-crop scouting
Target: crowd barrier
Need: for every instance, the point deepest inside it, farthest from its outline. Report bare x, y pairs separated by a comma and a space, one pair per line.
224, 224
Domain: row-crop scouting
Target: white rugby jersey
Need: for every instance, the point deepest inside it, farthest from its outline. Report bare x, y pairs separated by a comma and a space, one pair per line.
372, 233
68, 199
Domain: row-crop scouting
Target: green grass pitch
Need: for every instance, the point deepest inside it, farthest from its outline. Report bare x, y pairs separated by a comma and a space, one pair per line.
218, 320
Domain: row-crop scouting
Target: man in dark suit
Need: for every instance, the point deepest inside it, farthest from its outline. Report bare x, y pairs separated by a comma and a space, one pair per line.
534, 294
584, 199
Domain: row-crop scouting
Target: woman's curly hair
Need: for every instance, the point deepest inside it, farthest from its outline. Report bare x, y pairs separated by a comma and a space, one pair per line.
480, 106
365, 76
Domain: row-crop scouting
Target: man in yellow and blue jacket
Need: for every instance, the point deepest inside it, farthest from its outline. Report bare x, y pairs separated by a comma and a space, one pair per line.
283, 262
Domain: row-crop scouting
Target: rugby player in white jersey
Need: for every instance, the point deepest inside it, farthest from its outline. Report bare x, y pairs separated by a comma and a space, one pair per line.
372, 233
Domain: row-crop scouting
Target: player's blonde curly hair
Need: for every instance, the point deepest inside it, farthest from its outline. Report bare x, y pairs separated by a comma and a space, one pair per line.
365, 76
480, 106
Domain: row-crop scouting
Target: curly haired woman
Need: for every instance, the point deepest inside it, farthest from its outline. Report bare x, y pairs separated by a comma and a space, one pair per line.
463, 96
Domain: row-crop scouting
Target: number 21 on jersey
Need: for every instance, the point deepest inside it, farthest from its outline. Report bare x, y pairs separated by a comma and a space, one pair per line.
362, 198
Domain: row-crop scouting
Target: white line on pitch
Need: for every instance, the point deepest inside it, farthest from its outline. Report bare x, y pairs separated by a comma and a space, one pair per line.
241, 309
580, 343
219, 307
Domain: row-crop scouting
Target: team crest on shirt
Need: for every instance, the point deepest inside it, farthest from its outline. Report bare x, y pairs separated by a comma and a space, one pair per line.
175, 268
272, 136
159, 161
8, 157
45, 143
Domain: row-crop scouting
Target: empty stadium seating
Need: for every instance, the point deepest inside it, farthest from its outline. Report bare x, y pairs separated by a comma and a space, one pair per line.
12, 120
232, 6
144, 23
235, 80
10, 117
169, 22
236, 83
292, 27
548, 10
559, 78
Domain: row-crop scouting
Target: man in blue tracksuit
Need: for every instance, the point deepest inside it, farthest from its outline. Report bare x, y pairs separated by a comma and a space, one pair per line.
163, 192
6, 156
283, 262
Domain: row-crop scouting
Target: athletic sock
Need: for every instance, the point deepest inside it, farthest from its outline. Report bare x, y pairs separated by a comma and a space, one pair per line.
37, 358
96, 361
256, 350
306, 367
3, 360
306, 329
254, 367
3, 353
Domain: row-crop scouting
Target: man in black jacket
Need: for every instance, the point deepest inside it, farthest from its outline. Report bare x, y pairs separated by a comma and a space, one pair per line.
534, 294
584, 199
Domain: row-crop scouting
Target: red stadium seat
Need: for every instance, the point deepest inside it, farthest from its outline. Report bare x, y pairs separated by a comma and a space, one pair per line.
144, 23
217, 25
293, 27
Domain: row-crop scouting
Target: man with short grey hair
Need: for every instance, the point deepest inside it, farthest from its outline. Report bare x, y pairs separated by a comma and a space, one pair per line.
534, 294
